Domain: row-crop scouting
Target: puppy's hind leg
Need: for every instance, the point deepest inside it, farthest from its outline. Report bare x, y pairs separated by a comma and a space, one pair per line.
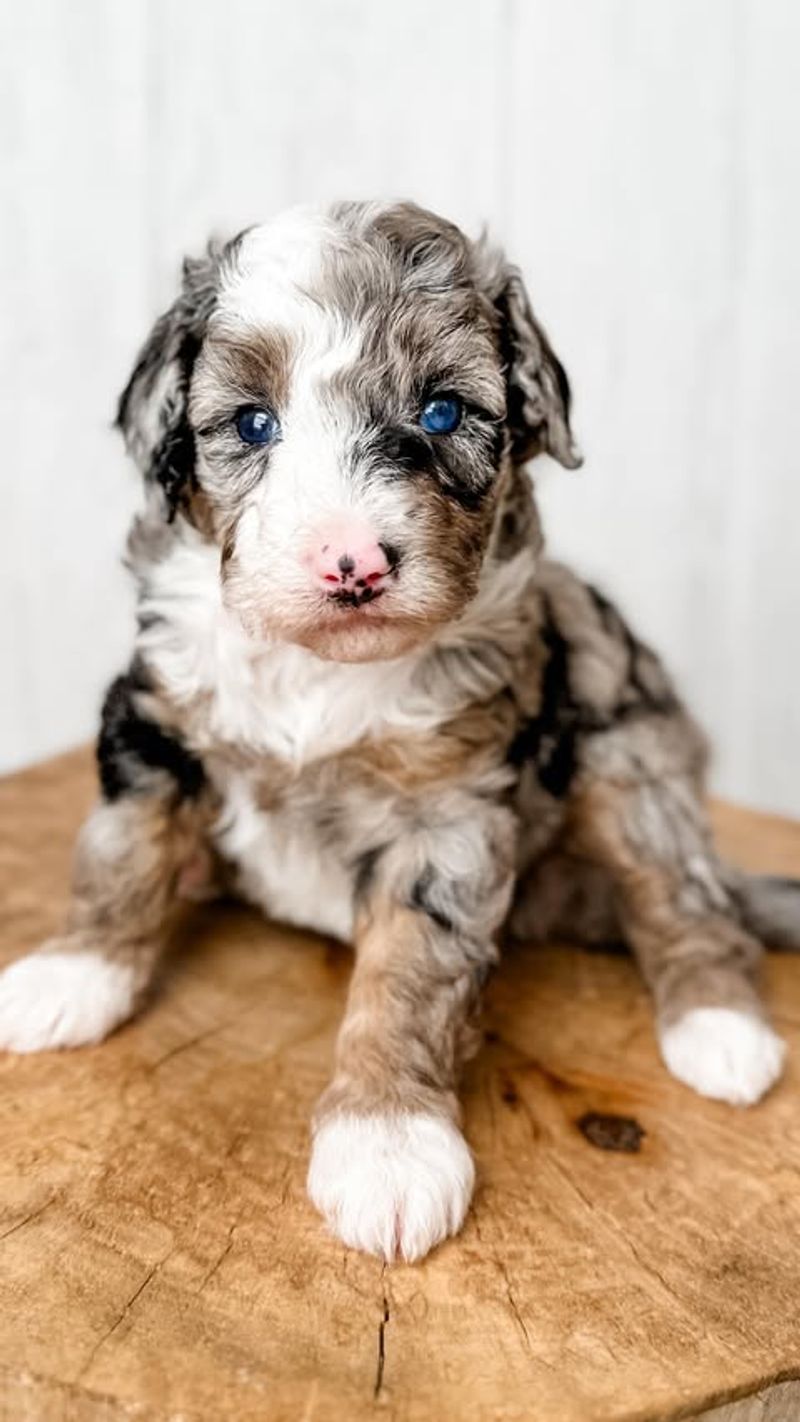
131, 860
686, 930
769, 907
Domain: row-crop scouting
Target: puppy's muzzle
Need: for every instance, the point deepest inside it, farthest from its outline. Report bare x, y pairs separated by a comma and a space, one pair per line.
350, 565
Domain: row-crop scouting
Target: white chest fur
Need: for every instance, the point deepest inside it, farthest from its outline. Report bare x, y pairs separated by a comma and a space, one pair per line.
281, 700
283, 866
273, 699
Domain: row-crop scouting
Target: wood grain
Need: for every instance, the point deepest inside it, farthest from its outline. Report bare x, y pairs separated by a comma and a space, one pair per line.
159, 1259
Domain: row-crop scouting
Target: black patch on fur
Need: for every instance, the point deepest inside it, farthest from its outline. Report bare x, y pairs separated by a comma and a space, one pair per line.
129, 744
462, 464
420, 900
466, 498
562, 381
392, 555
174, 458
173, 465
515, 399
657, 698
525, 440
407, 450
174, 343
604, 607
549, 739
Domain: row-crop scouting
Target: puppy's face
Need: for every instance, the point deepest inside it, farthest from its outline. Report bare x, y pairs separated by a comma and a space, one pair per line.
337, 400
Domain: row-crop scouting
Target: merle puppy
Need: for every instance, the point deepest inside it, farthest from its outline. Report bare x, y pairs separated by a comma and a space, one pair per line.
361, 696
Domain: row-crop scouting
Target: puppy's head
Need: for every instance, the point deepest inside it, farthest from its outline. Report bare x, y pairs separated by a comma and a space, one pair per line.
338, 400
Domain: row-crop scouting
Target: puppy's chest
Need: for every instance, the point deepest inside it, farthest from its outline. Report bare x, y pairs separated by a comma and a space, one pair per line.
317, 764
289, 857
298, 839
287, 706
313, 779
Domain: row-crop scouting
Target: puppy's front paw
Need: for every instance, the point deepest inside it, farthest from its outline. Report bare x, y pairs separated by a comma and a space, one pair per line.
62, 999
724, 1053
393, 1185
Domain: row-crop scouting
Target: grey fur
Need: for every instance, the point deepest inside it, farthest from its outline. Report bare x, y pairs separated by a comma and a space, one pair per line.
531, 747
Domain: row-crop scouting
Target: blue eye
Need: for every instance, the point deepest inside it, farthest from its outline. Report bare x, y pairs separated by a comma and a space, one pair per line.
442, 414
257, 425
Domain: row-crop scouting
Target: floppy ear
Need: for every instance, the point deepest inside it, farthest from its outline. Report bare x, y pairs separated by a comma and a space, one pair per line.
538, 389
152, 411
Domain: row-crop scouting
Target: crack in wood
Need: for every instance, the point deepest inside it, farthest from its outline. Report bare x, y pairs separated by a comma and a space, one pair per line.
613, 1231
101, 1342
512, 1302
223, 1256
149, 1068
382, 1326
514, 1306
20, 1224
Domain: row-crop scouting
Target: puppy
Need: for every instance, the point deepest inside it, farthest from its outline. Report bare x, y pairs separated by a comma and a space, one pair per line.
361, 697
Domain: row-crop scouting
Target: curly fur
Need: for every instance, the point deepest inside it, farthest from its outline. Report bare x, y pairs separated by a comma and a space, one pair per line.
488, 744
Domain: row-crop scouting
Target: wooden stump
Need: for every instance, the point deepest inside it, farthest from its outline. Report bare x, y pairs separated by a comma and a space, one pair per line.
633, 1252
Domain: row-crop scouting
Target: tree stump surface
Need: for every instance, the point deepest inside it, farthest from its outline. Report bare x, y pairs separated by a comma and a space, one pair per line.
633, 1252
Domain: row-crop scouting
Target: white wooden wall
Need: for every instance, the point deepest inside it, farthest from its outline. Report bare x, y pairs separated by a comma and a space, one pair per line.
641, 160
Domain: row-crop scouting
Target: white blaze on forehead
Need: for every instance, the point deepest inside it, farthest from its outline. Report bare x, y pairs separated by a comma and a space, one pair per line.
275, 266
276, 281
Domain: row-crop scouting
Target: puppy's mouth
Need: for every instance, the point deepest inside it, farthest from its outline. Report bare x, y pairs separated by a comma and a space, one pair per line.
358, 625
347, 624
355, 599
364, 615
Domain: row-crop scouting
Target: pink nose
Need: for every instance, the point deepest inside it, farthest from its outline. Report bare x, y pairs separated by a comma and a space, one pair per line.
351, 561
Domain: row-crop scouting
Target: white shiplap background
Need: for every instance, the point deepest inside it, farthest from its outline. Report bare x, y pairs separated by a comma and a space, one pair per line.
640, 158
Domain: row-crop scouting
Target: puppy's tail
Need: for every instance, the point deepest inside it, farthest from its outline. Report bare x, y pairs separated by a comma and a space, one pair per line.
769, 908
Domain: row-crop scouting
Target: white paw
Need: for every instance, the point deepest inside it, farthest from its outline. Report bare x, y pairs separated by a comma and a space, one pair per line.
392, 1185
721, 1052
56, 999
